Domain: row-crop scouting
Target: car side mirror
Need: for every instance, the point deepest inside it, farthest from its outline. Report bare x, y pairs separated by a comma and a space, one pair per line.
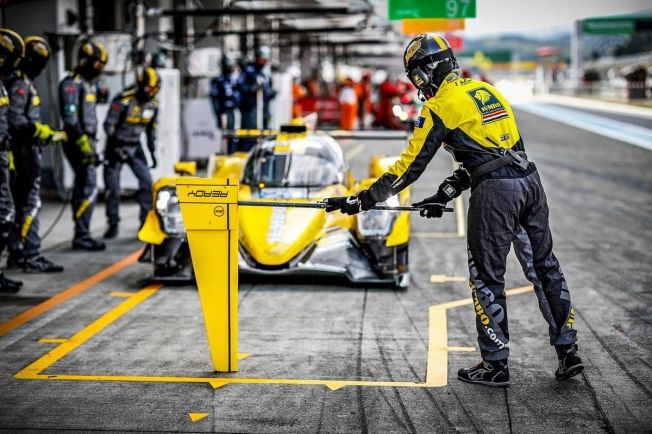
185, 168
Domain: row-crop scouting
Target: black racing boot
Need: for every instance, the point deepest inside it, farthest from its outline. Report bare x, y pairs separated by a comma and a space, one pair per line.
9, 286
111, 231
15, 260
494, 373
570, 363
39, 264
88, 244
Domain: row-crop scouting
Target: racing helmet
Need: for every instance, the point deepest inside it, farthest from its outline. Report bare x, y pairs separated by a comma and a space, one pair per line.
148, 83
91, 59
428, 59
37, 54
12, 49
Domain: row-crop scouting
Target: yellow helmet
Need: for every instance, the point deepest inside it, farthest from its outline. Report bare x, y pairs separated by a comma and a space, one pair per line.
12, 49
37, 54
428, 58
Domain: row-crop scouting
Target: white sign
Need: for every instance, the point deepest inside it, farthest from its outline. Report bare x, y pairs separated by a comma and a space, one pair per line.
204, 62
202, 136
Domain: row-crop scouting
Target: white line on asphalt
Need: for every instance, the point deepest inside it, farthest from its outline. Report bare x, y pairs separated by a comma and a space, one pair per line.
622, 131
594, 104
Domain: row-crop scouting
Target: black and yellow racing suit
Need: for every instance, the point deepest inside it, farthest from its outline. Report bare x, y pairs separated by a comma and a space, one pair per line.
128, 118
508, 205
77, 101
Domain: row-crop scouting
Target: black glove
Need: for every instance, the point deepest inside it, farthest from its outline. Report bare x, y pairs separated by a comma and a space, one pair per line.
432, 207
348, 205
154, 161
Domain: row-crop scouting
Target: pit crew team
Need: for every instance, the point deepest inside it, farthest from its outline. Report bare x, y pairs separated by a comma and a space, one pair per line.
23, 136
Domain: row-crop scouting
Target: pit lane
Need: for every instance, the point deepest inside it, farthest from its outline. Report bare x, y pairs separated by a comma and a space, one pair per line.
599, 193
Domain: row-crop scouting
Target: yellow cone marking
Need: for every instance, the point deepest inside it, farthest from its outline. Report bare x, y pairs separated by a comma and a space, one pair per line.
197, 416
242, 356
436, 372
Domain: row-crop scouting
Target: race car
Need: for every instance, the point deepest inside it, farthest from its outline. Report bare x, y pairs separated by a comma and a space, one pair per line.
293, 165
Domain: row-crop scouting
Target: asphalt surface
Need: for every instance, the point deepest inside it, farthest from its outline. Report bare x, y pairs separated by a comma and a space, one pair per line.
599, 191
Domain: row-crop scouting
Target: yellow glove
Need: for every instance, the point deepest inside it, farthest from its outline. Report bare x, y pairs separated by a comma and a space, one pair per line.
11, 163
84, 144
43, 131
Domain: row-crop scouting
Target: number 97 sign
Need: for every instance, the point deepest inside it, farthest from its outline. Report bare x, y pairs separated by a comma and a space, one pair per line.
400, 9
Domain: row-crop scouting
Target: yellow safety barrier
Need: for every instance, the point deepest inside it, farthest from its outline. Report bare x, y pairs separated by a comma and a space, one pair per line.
209, 208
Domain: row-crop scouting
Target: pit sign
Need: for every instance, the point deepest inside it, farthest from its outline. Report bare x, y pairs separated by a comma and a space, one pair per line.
401, 9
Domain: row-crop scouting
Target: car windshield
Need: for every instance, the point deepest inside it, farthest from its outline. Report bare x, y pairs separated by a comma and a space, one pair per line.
290, 169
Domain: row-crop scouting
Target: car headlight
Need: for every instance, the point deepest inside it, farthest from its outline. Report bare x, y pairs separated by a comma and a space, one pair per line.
377, 223
169, 212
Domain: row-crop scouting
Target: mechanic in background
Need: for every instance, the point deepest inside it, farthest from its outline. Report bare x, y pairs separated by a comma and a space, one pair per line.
77, 101
508, 204
28, 136
385, 117
364, 90
12, 49
224, 95
132, 112
255, 83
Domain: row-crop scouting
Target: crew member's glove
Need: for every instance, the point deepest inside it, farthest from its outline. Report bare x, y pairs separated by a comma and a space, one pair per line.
154, 161
152, 153
44, 133
432, 207
11, 163
350, 205
84, 145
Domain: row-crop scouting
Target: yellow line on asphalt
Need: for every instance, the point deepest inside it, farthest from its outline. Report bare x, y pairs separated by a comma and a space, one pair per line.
69, 293
437, 368
86, 333
436, 371
354, 152
52, 340
460, 216
442, 278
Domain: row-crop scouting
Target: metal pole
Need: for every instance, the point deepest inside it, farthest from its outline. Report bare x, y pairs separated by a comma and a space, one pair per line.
318, 205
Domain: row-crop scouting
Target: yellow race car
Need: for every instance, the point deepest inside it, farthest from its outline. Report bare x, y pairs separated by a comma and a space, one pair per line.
293, 165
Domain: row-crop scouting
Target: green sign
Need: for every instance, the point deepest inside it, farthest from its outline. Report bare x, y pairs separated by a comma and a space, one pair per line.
602, 26
400, 9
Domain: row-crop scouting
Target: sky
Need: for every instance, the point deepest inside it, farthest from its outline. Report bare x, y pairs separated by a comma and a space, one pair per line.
506, 16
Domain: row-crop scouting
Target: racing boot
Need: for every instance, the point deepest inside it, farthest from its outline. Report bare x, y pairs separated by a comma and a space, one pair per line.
111, 232
88, 244
494, 373
15, 260
570, 363
9, 286
39, 264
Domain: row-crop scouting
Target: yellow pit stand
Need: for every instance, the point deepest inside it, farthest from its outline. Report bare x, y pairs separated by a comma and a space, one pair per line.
209, 208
